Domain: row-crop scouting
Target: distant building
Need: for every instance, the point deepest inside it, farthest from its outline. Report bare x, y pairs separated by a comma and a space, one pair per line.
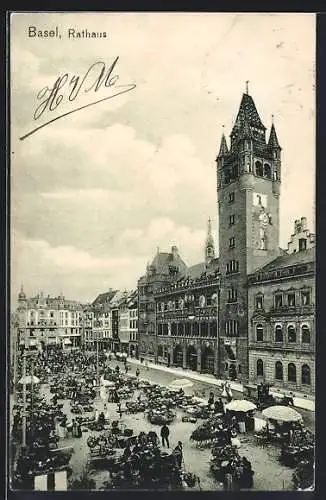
164, 269
45, 321
101, 314
128, 323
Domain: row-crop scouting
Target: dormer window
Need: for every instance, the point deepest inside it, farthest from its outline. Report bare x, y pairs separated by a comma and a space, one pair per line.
267, 171
259, 169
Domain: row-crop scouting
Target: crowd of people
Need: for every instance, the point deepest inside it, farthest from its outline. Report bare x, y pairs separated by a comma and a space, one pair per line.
78, 384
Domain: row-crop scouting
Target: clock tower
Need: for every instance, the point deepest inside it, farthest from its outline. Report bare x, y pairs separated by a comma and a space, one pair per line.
248, 186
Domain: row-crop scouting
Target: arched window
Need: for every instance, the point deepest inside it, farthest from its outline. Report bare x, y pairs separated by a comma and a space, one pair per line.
278, 333
305, 334
292, 334
305, 375
292, 372
260, 368
267, 171
259, 333
202, 301
278, 370
259, 169
226, 367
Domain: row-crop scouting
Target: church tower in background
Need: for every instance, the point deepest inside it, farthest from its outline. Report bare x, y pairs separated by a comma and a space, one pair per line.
248, 186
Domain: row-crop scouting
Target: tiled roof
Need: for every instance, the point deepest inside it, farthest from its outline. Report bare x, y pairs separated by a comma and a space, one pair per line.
248, 112
199, 270
291, 259
273, 140
104, 298
163, 260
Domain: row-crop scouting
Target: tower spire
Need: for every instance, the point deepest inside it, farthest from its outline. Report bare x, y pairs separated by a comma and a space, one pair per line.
209, 247
273, 140
223, 147
247, 86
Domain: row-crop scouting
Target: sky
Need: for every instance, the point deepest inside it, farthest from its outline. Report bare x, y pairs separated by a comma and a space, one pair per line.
94, 193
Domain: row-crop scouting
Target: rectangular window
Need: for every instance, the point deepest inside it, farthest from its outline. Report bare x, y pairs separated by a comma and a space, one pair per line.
231, 197
232, 220
291, 299
259, 301
232, 295
305, 298
231, 242
278, 300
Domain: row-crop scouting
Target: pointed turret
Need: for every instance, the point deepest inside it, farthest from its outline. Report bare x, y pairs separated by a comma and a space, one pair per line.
273, 140
209, 246
223, 147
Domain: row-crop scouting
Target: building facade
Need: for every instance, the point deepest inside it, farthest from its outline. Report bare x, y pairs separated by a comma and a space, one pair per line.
128, 323
248, 184
45, 321
209, 317
282, 317
164, 269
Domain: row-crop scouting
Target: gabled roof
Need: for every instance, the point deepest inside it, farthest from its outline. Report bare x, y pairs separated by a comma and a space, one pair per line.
200, 270
291, 259
163, 260
104, 298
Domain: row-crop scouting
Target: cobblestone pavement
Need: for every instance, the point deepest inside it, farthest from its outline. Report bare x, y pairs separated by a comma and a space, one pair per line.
164, 378
269, 473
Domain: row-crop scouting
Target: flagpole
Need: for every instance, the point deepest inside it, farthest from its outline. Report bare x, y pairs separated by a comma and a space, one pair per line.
24, 400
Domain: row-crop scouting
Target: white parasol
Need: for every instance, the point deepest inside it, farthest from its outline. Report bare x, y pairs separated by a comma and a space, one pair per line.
29, 379
106, 383
282, 413
240, 405
181, 383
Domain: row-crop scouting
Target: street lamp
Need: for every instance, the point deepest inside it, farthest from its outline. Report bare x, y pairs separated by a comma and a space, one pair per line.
97, 388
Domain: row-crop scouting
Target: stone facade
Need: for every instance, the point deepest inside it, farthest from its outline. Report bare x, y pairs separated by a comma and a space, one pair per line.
164, 269
282, 322
45, 321
248, 184
187, 320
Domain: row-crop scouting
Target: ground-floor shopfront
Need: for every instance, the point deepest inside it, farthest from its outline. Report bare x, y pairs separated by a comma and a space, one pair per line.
194, 354
294, 371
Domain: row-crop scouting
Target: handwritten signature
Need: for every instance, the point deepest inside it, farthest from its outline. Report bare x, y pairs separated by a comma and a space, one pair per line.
67, 88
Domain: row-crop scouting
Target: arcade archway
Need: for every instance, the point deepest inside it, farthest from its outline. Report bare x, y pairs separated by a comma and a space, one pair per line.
192, 358
207, 364
177, 355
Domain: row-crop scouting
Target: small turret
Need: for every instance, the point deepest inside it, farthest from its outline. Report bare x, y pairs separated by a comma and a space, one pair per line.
273, 140
223, 147
21, 295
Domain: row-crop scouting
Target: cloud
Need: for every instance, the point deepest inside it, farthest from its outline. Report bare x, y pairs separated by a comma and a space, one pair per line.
138, 171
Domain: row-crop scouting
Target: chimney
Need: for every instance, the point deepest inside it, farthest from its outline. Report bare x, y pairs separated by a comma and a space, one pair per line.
304, 223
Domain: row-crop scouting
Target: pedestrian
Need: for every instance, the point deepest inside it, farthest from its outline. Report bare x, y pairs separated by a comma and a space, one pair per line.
228, 389
165, 432
224, 393
178, 454
78, 430
137, 373
96, 415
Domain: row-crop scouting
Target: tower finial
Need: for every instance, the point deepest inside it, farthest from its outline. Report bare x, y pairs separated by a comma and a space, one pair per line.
247, 86
272, 119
